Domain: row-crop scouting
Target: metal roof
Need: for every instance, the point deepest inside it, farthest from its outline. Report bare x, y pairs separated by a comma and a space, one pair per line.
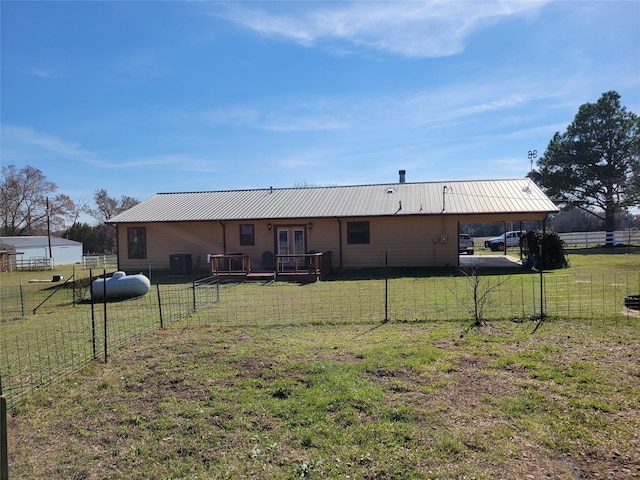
37, 241
429, 198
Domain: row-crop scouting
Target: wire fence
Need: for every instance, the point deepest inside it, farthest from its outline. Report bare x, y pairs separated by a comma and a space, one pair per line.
45, 336
516, 297
49, 333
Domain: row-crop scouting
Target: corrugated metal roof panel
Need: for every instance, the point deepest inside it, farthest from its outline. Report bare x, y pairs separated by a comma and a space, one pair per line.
37, 241
430, 198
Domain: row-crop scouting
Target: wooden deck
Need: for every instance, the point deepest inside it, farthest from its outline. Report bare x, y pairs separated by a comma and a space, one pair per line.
309, 267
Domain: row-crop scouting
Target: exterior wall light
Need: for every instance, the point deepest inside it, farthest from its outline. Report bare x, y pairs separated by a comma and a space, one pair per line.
269, 226
310, 225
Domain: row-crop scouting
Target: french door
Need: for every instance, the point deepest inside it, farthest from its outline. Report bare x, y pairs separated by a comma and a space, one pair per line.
291, 242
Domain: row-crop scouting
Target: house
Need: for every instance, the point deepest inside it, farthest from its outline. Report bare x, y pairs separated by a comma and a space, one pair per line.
282, 229
35, 251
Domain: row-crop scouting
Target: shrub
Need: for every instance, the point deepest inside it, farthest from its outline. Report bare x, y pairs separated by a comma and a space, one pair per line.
553, 256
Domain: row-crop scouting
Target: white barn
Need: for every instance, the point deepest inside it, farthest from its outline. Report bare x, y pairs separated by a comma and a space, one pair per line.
35, 248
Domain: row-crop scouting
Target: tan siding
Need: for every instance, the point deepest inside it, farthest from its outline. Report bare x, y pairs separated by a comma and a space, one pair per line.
165, 239
325, 237
410, 241
263, 240
407, 242
198, 239
321, 237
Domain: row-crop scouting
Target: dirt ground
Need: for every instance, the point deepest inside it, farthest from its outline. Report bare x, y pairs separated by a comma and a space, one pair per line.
52, 434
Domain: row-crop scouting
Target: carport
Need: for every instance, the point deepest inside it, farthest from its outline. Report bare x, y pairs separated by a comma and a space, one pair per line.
490, 261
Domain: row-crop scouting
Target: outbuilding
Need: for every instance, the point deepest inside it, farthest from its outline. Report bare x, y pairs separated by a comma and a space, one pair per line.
320, 228
42, 251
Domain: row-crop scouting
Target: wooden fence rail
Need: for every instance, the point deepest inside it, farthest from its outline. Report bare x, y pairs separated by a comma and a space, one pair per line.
593, 239
99, 261
35, 263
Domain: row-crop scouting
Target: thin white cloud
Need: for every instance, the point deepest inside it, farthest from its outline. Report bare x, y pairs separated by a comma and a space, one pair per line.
510, 96
45, 73
29, 139
233, 116
140, 64
175, 161
319, 122
28, 144
539, 131
301, 161
304, 118
467, 100
447, 105
410, 29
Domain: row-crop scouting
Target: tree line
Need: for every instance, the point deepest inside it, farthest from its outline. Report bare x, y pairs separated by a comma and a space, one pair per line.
30, 204
591, 171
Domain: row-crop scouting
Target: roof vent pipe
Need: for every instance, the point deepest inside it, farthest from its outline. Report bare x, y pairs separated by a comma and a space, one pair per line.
402, 174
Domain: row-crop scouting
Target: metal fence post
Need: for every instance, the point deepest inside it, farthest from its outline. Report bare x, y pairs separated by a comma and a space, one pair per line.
386, 286
541, 266
4, 453
21, 298
93, 315
541, 284
104, 300
159, 305
193, 286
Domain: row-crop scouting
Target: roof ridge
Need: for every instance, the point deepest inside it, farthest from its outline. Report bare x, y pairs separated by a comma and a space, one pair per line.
321, 187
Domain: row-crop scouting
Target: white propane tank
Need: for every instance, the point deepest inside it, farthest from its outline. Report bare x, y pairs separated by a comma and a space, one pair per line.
121, 285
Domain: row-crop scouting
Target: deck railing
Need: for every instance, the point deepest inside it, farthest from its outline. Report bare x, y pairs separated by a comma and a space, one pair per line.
313, 265
232, 264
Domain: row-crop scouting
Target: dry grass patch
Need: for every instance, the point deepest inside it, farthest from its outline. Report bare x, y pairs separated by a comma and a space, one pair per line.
366, 401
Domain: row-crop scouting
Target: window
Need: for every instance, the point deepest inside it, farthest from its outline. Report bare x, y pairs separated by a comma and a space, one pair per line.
358, 232
246, 235
137, 242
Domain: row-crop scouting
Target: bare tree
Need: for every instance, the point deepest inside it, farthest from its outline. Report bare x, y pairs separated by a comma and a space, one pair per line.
28, 201
481, 289
81, 207
108, 207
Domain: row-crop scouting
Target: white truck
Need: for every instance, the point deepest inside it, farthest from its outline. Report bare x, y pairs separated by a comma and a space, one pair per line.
497, 244
465, 244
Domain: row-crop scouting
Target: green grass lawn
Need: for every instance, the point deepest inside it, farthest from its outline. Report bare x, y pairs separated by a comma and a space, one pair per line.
63, 335
434, 400
287, 381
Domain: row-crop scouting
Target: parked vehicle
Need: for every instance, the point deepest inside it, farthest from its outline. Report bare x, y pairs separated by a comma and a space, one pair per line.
465, 244
496, 244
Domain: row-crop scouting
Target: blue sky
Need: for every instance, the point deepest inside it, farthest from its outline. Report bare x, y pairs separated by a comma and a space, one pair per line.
145, 97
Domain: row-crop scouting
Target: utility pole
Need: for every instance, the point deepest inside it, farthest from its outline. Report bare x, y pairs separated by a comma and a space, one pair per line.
532, 156
49, 230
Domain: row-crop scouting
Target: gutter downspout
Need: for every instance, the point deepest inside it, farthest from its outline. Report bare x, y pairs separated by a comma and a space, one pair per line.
117, 227
224, 237
458, 242
339, 240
